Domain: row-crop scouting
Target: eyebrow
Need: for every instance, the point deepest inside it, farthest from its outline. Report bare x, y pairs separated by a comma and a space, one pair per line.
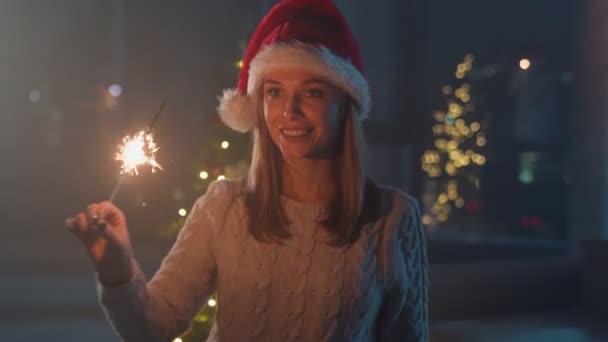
315, 80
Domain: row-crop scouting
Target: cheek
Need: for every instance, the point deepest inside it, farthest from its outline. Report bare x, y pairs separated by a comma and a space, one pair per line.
271, 117
330, 122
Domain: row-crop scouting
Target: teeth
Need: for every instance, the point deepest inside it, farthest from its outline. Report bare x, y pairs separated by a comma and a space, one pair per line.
294, 132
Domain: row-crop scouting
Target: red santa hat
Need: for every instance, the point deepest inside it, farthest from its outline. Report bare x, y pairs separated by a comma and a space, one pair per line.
303, 33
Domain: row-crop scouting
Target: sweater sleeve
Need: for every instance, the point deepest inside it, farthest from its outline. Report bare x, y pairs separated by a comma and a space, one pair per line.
404, 316
161, 309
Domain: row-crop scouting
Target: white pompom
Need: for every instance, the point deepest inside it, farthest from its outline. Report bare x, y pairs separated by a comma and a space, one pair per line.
236, 110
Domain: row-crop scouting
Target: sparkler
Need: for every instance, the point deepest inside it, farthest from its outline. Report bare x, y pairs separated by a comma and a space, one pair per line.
135, 151
138, 150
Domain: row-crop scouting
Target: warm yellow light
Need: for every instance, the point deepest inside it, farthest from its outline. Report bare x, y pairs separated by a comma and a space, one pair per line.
204, 175
178, 340
225, 144
201, 318
182, 212
239, 64
524, 64
459, 202
221, 177
440, 143
464, 130
450, 169
481, 141
443, 198
437, 129
435, 172
446, 89
452, 145
211, 302
475, 126
439, 116
427, 219
455, 109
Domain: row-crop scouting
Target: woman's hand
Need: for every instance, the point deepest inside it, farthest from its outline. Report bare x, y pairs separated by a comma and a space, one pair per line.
102, 229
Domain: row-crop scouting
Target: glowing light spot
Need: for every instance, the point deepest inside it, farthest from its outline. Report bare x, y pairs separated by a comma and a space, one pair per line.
524, 64
35, 95
221, 177
204, 175
115, 90
178, 340
427, 219
225, 144
475, 126
182, 212
459, 202
137, 151
211, 302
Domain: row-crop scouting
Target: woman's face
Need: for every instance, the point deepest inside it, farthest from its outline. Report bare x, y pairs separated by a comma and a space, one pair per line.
303, 113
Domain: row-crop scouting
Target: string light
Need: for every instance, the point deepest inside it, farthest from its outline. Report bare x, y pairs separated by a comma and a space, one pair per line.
524, 64
204, 175
211, 302
182, 212
225, 144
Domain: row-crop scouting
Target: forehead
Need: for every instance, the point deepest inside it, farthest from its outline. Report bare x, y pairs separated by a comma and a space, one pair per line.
294, 76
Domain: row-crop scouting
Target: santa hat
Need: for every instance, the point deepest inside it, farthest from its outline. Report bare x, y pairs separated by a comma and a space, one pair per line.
303, 33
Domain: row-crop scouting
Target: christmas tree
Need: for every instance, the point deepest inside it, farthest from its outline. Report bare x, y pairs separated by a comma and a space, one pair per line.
454, 162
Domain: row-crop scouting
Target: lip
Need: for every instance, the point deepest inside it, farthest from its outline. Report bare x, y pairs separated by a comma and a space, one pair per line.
295, 128
288, 137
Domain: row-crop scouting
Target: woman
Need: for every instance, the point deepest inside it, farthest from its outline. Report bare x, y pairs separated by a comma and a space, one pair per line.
304, 247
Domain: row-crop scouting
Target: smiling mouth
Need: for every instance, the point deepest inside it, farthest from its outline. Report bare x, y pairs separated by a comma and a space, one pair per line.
296, 132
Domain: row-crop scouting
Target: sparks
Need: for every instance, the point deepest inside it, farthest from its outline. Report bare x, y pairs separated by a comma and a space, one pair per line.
137, 151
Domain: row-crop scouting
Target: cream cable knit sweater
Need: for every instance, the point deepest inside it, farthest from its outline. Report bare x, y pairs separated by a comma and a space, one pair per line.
302, 290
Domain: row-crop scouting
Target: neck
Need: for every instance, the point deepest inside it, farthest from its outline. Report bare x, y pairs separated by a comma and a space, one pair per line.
308, 180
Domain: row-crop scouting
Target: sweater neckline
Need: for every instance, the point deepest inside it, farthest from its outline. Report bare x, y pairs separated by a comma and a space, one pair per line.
317, 209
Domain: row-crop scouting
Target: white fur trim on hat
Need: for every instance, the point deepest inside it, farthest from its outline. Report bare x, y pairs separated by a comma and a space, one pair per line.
239, 110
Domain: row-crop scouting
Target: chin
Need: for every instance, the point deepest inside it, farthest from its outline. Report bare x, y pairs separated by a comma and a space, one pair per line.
291, 153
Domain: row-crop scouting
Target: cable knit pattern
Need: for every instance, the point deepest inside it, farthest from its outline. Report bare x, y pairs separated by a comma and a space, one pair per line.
301, 290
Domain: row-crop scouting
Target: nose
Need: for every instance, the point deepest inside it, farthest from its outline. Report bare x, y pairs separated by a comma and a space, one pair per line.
292, 107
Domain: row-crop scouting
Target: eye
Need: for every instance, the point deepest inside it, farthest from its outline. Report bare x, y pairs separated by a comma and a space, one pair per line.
274, 92
314, 92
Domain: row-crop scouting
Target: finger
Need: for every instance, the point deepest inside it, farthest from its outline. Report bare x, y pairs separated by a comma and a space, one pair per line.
82, 224
70, 224
92, 213
109, 213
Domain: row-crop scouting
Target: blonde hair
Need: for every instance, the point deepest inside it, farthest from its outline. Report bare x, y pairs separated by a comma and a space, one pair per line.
267, 219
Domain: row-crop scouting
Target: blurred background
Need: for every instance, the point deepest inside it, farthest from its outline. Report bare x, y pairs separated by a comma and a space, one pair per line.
491, 113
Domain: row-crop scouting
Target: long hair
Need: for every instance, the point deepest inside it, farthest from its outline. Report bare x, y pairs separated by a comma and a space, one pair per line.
267, 219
